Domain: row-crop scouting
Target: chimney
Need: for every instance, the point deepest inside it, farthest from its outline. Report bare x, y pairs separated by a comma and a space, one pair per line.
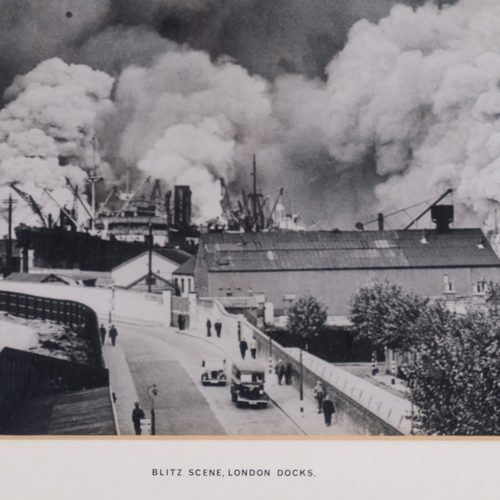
380, 222
442, 216
182, 206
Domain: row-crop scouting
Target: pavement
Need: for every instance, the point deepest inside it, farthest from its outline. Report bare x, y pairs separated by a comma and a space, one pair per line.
309, 422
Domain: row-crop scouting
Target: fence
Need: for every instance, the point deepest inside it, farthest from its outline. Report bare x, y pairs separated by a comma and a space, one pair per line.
78, 316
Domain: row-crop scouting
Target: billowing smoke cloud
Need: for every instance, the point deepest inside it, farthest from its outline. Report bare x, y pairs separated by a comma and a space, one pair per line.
188, 118
46, 130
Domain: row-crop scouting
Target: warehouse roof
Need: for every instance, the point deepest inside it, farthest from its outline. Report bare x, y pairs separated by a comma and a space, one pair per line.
313, 250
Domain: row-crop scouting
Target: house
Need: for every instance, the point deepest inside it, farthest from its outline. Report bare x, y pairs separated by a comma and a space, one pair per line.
134, 274
279, 267
184, 277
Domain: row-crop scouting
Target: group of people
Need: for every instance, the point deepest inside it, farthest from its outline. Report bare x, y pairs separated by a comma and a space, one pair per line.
244, 346
217, 328
113, 333
283, 369
325, 404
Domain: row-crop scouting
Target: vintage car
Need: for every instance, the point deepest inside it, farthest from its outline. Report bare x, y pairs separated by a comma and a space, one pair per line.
213, 371
247, 384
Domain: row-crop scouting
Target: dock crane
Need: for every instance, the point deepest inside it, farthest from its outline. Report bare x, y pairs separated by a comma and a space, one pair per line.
31, 202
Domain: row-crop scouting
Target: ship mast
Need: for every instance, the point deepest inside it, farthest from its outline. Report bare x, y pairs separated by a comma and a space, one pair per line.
93, 179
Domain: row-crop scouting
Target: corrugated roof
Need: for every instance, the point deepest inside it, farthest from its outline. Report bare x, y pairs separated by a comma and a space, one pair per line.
345, 250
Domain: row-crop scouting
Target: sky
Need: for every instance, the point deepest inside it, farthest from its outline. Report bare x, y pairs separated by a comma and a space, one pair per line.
354, 107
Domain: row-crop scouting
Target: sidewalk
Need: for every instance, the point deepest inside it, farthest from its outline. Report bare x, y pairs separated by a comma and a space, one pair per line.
286, 397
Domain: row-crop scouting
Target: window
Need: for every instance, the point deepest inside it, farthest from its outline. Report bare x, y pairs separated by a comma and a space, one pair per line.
448, 285
481, 287
150, 280
182, 285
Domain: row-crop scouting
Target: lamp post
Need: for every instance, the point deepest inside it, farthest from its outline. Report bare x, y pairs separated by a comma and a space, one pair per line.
270, 354
152, 391
301, 385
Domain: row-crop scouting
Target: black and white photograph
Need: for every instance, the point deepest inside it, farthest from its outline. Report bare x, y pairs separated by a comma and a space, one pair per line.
249, 219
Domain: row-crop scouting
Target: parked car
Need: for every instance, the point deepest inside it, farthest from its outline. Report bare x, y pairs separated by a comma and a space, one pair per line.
213, 371
247, 384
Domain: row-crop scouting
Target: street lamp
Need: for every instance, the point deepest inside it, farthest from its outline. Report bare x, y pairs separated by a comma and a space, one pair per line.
152, 391
301, 385
270, 354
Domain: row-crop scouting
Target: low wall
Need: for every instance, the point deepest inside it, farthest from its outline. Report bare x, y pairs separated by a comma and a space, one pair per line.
127, 304
150, 307
361, 407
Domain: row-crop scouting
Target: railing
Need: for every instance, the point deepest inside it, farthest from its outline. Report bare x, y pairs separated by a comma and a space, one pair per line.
24, 375
78, 316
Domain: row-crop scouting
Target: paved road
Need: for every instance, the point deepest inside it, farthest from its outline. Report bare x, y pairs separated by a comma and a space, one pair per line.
172, 361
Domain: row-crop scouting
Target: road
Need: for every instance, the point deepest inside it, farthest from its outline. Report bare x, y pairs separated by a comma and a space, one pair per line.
172, 361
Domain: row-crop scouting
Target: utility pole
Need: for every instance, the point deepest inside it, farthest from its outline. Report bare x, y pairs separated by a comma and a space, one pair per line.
150, 256
254, 197
9, 202
301, 385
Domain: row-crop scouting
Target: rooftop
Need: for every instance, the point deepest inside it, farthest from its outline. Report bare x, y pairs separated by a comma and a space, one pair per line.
316, 250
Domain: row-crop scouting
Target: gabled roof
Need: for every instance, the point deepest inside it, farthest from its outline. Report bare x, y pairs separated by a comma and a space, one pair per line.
172, 255
321, 250
187, 268
161, 278
34, 278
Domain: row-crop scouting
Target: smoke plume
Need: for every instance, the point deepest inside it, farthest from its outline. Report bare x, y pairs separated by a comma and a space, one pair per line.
46, 131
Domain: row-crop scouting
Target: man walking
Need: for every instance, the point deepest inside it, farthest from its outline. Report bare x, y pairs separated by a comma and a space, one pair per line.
209, 328
102, 331
280, 370
137, 415
218, 328
113, 333
319, 394
243, 348
328, 410
288, 373
253, 348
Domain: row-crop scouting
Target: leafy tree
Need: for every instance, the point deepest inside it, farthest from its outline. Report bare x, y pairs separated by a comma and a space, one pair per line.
386, 314
455, 374
307, 317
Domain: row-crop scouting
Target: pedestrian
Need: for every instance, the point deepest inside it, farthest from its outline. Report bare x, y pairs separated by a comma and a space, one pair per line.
243, 347
328, 410
137, 415
180, 321
280, 370
113, 333
218, 327
288, 373
253, 348
209, 328
102, 331
319, 394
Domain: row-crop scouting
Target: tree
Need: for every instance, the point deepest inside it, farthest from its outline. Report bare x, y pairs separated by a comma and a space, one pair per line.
386, 314
306, 318
455, 374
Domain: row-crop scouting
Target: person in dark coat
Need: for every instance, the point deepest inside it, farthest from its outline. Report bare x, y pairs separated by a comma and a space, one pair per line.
328, 410
113, 333
218, 328
180, 321
137, 415
288, 373
102, 331
209, 328
243, 347
280, 370
319, 394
